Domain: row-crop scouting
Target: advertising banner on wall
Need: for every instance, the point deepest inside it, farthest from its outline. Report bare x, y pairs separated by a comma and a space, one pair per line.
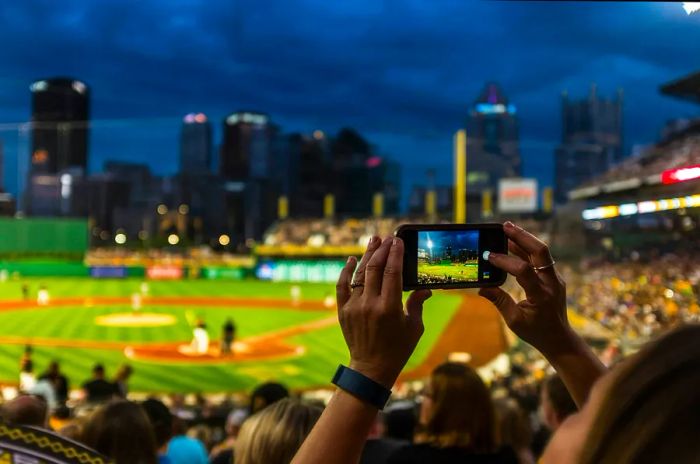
108, 272
517, 195
164, 272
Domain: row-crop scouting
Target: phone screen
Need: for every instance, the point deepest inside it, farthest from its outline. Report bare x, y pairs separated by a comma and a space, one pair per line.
447, 256
451, 255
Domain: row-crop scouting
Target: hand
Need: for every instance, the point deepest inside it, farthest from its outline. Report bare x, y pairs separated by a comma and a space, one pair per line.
380, 335
541, 318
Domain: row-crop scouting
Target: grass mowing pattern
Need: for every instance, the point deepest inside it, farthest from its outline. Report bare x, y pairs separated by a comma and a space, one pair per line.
325, 348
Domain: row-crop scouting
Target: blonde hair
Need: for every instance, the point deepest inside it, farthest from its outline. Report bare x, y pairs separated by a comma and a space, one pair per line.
273, 435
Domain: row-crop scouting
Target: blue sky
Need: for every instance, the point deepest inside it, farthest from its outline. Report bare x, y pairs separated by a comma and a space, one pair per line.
401, 72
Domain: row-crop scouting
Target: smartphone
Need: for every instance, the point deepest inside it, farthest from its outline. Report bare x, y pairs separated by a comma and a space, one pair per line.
451, 255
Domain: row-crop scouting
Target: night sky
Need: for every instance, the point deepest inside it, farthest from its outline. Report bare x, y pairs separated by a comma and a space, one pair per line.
402, 72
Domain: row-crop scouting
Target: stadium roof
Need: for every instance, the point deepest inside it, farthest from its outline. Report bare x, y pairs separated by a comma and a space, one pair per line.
686, 88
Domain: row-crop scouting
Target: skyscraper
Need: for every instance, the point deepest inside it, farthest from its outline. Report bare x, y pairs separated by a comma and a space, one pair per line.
60, 114
245, 152
591, 140
195, 144
493, 150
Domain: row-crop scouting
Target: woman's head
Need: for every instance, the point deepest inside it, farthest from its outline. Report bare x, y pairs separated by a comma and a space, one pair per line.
274, 434
457, 409
121, 430
645, 409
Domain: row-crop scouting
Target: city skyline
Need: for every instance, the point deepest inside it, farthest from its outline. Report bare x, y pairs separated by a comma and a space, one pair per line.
399, 80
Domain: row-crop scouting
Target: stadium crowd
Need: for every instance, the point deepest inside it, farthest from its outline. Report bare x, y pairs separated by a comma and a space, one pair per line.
454, 416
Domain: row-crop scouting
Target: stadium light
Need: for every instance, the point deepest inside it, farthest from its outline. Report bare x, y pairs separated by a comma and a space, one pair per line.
183, 209
691, 7
162, 209
318, 134
143, 235
673, 176
173, 239
648, 206
224, 240
120, 238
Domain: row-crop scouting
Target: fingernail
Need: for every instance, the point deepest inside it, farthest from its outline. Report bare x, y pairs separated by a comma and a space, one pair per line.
350, 258
492, 255
509, 224
371, 240
395, 241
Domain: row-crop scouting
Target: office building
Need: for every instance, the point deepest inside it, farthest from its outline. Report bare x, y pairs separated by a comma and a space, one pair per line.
591, 140
195, 144
493, 149
246, 147
60, 117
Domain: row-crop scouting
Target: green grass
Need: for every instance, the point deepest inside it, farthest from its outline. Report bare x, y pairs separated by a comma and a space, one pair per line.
457, 272
325, 348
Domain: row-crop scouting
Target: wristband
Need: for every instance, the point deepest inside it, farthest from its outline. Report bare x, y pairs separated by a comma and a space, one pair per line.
361, 387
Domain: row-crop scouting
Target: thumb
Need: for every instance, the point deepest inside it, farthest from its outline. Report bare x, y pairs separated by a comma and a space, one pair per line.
414, 306
502, 300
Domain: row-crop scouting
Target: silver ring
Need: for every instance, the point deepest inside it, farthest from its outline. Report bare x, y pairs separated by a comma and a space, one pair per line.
357, 284
546, 266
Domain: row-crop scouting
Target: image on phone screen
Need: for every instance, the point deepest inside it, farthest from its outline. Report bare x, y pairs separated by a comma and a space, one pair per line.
447, 256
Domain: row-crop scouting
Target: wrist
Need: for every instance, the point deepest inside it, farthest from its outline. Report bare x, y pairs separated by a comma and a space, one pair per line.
565, 342
381, 375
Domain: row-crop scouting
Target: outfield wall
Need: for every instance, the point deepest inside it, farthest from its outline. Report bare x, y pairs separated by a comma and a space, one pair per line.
38, 236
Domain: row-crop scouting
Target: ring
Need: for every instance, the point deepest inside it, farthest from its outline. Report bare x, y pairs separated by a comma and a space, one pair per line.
546, 266
357, 284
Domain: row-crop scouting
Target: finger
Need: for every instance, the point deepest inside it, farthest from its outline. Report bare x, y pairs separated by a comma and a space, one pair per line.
533, 246
374, 274
393, 274
502, 301
372, 246
414, 308
342, 287
522, 270
517, 251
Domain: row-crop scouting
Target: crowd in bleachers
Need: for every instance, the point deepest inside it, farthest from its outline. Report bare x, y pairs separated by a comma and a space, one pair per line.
637, 298
675, 153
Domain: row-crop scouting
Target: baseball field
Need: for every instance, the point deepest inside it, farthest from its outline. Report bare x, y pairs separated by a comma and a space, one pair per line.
299, 343
449, 272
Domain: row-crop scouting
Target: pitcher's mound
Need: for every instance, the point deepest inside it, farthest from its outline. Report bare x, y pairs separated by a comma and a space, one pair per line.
135, 320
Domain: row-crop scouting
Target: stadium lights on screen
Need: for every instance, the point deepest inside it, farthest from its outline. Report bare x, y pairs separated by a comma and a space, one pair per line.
649, 206
691, 7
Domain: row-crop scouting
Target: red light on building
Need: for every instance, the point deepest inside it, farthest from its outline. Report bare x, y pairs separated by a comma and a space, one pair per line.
673, 176
373, 161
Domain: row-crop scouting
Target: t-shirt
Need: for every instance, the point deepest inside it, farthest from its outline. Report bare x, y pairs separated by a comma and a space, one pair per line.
378, 450
99, 390
186, 450
451, 455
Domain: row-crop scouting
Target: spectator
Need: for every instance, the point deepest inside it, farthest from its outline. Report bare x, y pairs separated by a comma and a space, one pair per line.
121, 385
378, 447
183, 449
121, 430
513, 429
27, 378
456, 421
25, 410
98, 390
59, 381
273, 435
265, 395
162, 425
400, 422
223, 453
556, 403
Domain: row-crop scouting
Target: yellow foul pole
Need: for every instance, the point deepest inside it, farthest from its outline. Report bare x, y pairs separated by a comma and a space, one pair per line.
460, 186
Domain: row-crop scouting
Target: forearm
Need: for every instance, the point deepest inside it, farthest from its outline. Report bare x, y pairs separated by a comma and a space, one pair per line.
340, 433
576, 364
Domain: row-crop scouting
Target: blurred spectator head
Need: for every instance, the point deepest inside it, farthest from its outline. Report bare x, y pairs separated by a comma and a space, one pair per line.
98, 371
25, 410
400, 421
234, 421
556, 403
646, 409
124, 373
457, 410
266, 394
275, 434
121, 430
161, 420
53, 369
512, 426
